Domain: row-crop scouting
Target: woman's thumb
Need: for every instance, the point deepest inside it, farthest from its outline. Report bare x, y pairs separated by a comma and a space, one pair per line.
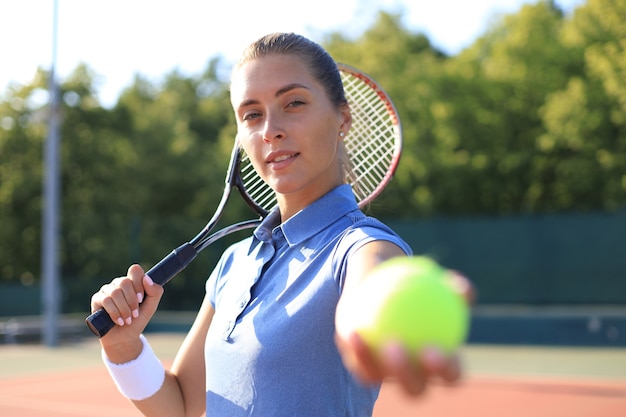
153, 293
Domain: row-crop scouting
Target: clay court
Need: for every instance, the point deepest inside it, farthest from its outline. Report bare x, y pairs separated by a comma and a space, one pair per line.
512, 381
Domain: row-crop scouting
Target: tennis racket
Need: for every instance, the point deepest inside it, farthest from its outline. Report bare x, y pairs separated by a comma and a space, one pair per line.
373, 144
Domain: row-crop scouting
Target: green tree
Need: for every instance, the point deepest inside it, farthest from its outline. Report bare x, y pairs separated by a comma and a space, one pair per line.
22, 129
479, 126
137, 180
583, 148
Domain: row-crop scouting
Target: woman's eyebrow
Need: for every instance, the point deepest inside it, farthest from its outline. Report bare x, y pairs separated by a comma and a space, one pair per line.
290, 87
279, 92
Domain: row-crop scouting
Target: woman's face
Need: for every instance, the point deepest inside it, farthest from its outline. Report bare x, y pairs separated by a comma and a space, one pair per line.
289, 128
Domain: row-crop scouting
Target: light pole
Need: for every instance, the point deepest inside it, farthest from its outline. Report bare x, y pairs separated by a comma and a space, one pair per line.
50, 296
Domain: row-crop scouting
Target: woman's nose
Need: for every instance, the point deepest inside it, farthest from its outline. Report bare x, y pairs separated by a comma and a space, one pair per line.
272, 130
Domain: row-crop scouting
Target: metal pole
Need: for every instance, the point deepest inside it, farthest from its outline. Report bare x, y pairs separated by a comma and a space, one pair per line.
50, 234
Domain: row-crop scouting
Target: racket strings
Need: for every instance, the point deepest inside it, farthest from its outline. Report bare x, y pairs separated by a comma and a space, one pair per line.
373, 141
257, 190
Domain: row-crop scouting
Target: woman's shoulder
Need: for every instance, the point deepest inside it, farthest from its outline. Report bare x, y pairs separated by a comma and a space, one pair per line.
362, 223
365, 229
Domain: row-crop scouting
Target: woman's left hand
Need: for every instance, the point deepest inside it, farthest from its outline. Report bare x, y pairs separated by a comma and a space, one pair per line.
414, 371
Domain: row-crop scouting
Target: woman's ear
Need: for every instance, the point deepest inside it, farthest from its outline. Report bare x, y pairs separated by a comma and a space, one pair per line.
345, 119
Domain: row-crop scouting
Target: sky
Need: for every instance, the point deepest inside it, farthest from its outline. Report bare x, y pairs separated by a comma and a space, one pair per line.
121, 38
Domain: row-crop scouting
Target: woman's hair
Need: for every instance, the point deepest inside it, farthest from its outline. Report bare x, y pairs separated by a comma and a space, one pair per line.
319, 62
322, 66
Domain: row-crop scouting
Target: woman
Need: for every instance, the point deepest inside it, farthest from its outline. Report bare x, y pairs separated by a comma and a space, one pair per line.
263, 342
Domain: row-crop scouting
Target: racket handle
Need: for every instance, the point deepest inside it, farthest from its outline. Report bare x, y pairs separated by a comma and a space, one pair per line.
100, 322
172, 264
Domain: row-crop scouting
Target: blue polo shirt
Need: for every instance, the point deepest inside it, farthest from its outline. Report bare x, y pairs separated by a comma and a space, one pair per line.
270, 350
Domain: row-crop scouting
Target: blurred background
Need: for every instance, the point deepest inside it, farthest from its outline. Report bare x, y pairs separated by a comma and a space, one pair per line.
513, 171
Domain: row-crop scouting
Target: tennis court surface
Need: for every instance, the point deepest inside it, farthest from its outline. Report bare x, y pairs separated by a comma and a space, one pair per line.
511, 381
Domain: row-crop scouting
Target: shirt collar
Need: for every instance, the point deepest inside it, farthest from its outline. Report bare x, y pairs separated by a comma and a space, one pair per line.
312, 219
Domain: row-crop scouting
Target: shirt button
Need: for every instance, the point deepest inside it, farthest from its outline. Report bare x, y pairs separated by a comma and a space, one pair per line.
229, 330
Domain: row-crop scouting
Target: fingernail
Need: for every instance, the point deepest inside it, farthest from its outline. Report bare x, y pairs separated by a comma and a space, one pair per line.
394, 352
139, 297
135, 313
120, 321
432, 356
459, 282
129, 321
149, 280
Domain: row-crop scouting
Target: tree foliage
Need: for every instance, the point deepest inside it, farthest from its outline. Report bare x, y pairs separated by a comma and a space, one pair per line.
531, 118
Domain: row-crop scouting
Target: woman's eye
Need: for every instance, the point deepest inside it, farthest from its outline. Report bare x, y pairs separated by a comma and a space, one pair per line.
295, 103
251, 115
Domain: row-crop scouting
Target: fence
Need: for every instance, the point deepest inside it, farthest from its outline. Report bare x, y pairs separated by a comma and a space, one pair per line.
539, 260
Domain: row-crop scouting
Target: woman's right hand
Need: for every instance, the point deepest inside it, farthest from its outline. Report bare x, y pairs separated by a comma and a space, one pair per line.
130, 301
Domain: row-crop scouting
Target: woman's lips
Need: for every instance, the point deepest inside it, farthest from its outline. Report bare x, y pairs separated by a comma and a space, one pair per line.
280, 160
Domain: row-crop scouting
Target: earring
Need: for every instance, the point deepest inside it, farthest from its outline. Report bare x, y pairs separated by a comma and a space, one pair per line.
342, 134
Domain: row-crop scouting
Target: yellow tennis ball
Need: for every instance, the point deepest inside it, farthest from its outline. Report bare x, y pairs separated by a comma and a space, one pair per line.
407, 300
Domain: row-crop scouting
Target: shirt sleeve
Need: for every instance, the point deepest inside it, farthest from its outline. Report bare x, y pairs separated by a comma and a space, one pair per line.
360, 234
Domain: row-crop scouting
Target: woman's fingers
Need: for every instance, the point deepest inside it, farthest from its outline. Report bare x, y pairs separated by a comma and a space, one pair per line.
414, 372
136, 274
152, 295
463, 286
440, 366
122, 296
410, 374
358, 358
119, 300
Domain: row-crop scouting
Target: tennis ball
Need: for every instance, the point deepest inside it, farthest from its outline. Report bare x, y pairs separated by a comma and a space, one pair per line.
410, 301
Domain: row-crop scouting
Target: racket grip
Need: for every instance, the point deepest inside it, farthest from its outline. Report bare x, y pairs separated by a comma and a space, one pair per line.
100, 322
172, 264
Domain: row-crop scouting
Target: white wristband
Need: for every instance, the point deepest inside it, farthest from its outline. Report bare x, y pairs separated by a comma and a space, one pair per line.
140, 378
